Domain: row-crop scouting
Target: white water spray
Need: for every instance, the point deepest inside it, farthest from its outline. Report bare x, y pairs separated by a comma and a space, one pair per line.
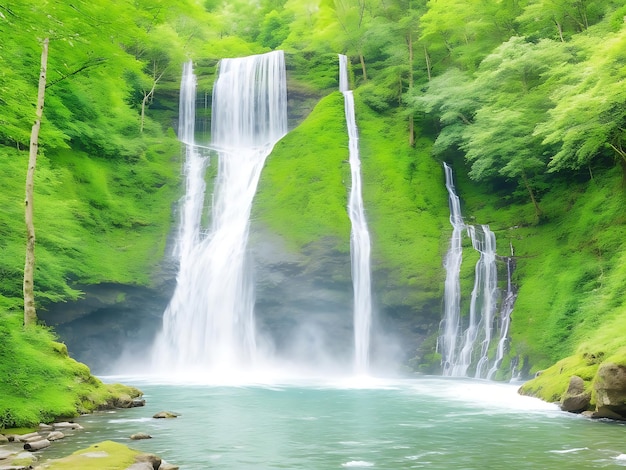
359, 238
209, 323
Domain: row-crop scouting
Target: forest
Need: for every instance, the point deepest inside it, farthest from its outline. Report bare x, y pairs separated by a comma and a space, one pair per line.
525, 97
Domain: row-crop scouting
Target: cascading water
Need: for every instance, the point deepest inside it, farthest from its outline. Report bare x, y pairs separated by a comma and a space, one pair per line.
505, 318
485, 293
209, 323
452, 289
359, 238
457, 346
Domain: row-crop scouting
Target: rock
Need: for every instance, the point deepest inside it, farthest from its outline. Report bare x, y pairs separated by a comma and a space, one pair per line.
55, 436
3, 439
168, 466
67, 425
610, 387
154, 460
140, 466
16, 467
138, 402
140, 435
166, 414
5, 454
36, 445
26, 437
45, 427
575, 399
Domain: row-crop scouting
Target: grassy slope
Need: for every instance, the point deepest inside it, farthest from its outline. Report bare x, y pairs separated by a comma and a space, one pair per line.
39, 382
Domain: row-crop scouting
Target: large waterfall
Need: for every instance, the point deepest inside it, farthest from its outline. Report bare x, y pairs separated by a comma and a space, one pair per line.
359, 237
209, 323
465, 342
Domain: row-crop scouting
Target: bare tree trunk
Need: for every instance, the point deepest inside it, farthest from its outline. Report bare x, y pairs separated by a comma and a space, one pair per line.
428, 67
30, 314
147, 97
538, 211
362, 59
411, 80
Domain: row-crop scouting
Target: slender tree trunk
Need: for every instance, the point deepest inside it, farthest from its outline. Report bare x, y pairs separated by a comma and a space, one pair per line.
428, 66
30, 314
531, 193
411, 80
362, 59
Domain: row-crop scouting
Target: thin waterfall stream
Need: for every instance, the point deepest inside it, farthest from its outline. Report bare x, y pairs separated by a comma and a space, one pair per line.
209, 323
360, 244
465, 341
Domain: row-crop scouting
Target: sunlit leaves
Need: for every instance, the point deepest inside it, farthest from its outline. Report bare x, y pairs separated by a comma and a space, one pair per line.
590, 105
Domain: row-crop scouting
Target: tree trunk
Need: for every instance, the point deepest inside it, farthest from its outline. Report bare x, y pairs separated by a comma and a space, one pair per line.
538, 211
30, 314
428, 67
411, 80
362, 59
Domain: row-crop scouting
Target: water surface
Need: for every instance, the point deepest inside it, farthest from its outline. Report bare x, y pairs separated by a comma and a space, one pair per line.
398, 424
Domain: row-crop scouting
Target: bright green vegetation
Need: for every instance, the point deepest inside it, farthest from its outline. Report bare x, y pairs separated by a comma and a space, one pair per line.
107, 455
314, 156
40, 383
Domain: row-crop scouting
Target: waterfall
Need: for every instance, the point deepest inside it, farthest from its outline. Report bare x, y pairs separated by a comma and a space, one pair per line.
463, 349
359, 237
505, 318
209, 322
485, 292
452, 289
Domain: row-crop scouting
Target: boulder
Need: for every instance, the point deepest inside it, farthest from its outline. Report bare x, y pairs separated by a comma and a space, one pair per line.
55, 436
153, 460
3, 439
165, 414
168, 466
140, 435
610, 387
67, 425
575, 399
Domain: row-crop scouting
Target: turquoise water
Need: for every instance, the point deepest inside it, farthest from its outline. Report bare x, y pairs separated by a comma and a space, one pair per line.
398, 424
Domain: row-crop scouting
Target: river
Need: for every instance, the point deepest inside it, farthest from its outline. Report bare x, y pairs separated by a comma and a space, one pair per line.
425, 422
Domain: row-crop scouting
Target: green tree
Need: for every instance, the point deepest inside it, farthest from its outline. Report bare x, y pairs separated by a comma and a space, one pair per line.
589, 115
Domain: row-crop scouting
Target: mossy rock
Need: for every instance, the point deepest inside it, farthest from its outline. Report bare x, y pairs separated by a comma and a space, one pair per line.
551, 384
107, 455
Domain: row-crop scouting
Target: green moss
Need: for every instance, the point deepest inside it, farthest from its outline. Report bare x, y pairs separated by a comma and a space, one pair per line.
107, 455
39, 382
313, 156
407, 211
552, 383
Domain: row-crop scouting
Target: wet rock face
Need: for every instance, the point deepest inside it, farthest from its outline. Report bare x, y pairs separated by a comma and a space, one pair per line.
303, 300
610, 387
110, 319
